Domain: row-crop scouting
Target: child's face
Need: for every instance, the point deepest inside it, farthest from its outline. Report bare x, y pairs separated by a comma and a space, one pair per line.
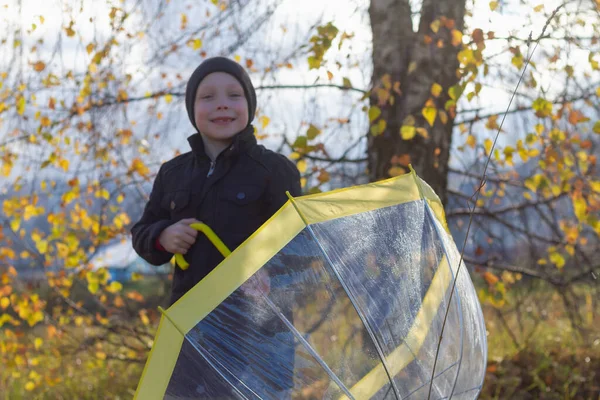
220, 107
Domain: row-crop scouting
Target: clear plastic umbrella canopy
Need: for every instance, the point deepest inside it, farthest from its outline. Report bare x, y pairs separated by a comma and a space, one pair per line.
341, 295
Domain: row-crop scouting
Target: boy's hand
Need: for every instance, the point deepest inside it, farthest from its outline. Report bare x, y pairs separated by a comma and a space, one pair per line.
179, 237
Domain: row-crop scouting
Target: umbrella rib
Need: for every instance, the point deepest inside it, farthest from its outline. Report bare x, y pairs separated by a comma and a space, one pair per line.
428, 381
352, 299
307, 345
199, 350
458, 299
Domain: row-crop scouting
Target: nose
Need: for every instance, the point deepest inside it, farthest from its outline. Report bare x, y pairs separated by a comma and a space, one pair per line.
222, 106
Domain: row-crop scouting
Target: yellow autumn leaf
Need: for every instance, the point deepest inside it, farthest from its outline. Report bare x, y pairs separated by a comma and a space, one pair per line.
542, 107
101, 355
138, 166
144, 317
396, 171
195, 44
62, 250
580, 208
557, 259
435, 26
264, 121
471, 141
64, 164
114, 287
102, 193
457, 37
518, 61
436, 89
301, 165
38, 342
6, 169
538, 8
4, 303
15, 224
136, 276
412, 66
29, 386
487, 144
443, 116
493, 5
429, 113
183, 21
408, 132
21, 105
168, 98
93, 287
42, 246
35, 317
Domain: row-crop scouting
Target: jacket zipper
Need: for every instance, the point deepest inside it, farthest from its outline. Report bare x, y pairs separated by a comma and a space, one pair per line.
212, 168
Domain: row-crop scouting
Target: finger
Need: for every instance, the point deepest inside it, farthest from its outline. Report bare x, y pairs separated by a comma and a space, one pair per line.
182, 243
181, 250
187, 238
190, 231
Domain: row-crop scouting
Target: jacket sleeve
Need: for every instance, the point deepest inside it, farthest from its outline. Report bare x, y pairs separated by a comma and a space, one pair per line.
284, 177
146, 231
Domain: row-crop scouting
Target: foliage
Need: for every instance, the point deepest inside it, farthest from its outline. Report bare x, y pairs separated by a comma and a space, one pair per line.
84, 126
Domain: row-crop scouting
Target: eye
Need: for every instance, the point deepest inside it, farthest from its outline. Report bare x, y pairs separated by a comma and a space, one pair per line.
205, 96
235, 95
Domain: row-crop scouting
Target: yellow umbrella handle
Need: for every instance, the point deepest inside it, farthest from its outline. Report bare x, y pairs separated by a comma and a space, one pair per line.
214, 239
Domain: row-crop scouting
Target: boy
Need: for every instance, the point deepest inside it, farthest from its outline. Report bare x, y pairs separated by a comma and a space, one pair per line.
227, 180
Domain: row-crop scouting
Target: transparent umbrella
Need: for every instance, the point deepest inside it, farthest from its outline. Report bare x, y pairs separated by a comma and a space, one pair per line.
340, 295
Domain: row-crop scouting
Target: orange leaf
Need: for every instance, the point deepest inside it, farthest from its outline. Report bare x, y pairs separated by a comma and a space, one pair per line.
490, 278
576, 117
39, 66
478, 36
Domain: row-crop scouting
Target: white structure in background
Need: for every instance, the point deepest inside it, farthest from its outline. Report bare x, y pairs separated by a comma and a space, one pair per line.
121, 261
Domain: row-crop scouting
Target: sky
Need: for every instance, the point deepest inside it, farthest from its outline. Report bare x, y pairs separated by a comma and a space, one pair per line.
286, 109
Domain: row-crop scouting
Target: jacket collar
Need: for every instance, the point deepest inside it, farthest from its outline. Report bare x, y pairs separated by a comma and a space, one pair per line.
242, 141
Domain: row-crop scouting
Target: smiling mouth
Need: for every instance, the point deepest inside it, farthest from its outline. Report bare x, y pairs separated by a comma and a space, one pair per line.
222, 120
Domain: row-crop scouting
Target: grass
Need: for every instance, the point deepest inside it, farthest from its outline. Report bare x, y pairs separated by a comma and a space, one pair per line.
540, 349
536, 351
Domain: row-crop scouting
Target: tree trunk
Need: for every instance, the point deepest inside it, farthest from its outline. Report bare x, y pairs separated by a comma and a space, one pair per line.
417, 60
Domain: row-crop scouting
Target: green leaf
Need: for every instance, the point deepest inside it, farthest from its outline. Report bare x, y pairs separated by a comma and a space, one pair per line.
374, 113
455, 92
300, 143
312, 132
542, 107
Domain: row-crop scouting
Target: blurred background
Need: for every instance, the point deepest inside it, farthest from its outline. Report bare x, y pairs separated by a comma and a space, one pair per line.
92, 102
